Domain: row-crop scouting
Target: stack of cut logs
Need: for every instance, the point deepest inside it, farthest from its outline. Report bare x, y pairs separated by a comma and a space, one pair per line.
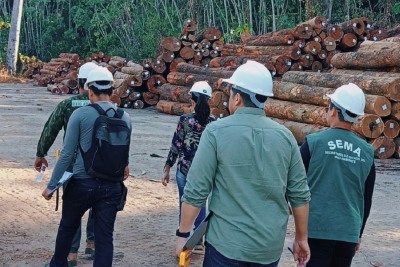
59, 75
299, 98
308, 46
189, 57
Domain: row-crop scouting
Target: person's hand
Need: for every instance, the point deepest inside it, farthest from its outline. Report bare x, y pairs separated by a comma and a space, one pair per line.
126, 173
301, 252
180, 242
46, 194
358, 246
39, 161
165, 178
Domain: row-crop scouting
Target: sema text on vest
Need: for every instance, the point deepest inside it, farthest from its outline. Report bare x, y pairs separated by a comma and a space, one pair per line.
340, 144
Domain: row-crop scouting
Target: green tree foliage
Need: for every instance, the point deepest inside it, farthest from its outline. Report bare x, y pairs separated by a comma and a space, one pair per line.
133, 28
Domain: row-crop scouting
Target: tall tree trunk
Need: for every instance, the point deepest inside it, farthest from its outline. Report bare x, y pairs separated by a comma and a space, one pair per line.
273, 16
13, 37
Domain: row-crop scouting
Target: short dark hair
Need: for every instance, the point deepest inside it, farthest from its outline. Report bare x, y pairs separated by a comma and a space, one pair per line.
340, 110
81, 82
97, 91
247, 100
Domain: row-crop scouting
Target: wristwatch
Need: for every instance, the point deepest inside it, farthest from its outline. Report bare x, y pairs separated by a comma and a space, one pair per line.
180, 234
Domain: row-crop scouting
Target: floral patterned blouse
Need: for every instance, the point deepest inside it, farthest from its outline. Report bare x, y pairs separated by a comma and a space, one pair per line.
185, 141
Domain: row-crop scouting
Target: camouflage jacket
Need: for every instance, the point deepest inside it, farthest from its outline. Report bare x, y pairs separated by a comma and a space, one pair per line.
57, 120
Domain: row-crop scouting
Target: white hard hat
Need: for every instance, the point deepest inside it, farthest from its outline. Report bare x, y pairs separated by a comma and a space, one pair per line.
349, 97
85, 69
201, 87
252, 78
99, 74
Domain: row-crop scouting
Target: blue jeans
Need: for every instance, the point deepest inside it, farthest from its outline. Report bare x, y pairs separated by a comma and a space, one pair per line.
82, 194
76, 242
212, 258
330, 253
181, 182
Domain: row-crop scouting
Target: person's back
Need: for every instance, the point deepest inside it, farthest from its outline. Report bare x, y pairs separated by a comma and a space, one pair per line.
103, 194
247, 165
341, 176
255, 156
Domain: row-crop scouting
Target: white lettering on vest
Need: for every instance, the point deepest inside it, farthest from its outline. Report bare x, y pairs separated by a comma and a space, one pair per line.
344, 145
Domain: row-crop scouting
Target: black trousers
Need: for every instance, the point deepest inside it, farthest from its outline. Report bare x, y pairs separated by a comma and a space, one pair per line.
330, 253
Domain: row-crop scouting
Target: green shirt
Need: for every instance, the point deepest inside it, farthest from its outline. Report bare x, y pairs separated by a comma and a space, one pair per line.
58, 120
248, 163
339, 165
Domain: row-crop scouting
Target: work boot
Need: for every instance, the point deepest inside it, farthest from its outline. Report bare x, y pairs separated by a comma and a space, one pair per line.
72, 259
89, 247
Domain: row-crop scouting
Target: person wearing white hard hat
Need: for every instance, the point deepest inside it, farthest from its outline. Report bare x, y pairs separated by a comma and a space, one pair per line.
85, 191
245, 165
341, 176
58, 120
186, 140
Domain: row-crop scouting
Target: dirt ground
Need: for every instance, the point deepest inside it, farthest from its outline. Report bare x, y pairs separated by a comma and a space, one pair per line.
144, 231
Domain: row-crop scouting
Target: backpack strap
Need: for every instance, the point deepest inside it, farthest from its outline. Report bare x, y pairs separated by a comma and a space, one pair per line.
99, 109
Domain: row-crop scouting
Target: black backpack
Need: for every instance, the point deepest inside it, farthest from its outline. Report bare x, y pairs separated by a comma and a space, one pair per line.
109, 153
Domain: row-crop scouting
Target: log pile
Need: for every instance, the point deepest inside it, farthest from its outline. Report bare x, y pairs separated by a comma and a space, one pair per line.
309, 46
188, 58
300, 104
175, 97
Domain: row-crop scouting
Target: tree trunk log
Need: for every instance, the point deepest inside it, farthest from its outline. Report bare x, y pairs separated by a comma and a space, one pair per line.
386, 86
150, 98
384, 147
271, 39
173, 108
175, 93
186, 52
367, 60
392, 128
174, 63
292, 51
215, 72
300, 130
188, 79
370, 46
318, 22
212, 33
301, 93
356, 26
219, 100
219, 112
159, 66
154, 82
376, 73
312, 47
395, 111
369, 126
138, 104
133, 96
329, 43
295, 112
171, 44
348, 40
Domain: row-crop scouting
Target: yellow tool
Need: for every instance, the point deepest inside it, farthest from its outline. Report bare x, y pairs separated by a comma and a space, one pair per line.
57, 154
193, 240
184, 258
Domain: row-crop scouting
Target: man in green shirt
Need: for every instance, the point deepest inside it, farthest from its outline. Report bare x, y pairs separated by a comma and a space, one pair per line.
249, 164
341, 176
58, 120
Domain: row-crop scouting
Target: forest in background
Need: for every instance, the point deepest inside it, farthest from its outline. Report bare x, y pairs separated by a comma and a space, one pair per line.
134, 28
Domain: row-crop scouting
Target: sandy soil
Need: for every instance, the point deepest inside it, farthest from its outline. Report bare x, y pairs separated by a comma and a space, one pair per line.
144, 231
